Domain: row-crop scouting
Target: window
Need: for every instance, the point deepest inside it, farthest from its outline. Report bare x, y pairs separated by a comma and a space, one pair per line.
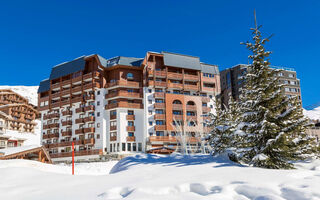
177, 102
98, 114
130, 90
130, 123
159, 133
160, 122
130, 112
113, 112
129, 76
134, 147
150, 112
150, 101
177, 112
110, 147
98, 103
98, 93
159, 112
159, 101
139, 146
123, 146
190, 113
130, 134
291, 75
129, 146
150, 123
150, 90
113, 123
98, 125
191, 103
98, 136
281, 74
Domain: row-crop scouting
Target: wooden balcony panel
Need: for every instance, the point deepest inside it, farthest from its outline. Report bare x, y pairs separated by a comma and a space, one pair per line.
131, 128
160, 105
160, 127
172, 75
175, 85
87, 76
151, 83
171, 139
206, 109
159, 95
113, 138
79, 131
191, 77
89, 108
88, 86
76, 99
77, 79
90, 98
131, 139
65, 102
76, 89
160, 84
80, 110
67, 123
66, 133
53, 135
55, 125
90, 141
80, 121
55, 95
66, 82
122, 104
205, 99
130, 117
191, 87
208, 89
113, 128
42, 99
177, 107
89, 130
54, 115
159, 116
113, 116
191, 107
89, 119
45, 136
208, 79
56, 85
132, 84
54, 105
43, 108
67, 113
65, 92
177, 117
192, 118
160, 73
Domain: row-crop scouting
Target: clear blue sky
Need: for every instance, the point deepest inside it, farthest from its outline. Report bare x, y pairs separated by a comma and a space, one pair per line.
36, 35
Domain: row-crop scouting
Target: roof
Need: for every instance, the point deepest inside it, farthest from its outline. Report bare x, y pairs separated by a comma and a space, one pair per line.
67, 68
207, 68
127, 61
182, 61
13, 150
44, 86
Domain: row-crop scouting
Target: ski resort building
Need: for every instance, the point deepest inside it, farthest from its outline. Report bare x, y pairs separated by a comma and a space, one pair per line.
16, 113
231, 82
125, 105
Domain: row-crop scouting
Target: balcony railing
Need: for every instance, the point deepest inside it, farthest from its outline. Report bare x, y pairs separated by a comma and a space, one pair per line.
80, 121
173, 75
113, 116
191, 107
89, 119
124, 83
177, 106
160, 83
113, 128
130, 117
67, 123
175, 85
206, 109
131, 128
205, 99
79, 131
113, 138
90, 141
191, 87
123, 104
67, 113
160, 127
66, 133
131, 138
160, 105
77, 153
191, 77
159, 116
89, 130
124, 94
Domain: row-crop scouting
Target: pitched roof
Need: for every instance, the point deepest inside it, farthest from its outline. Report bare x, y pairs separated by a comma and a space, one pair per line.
67, 68
179, 60
207, 68
44, 86
127, 61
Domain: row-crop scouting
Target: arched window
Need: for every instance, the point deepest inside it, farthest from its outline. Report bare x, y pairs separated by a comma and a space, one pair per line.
191, 103
177, 102
129, 76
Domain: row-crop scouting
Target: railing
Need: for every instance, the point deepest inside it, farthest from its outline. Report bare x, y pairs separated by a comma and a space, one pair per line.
113, 116
130, 117
66, 133
160, 127
80, 121
123, 104
113, 138
159, 95
131, 138
191, 77
131, 128
113, 128
125, 94
67, 122
173, 75
89, 141
159, 116
89, 130
77, 153
175, 85
191, 107
67, 112
124, 83
160, 105
177, 106
191, 87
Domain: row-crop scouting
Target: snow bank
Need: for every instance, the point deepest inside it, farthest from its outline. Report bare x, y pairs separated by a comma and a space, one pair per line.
158, 177
312, 114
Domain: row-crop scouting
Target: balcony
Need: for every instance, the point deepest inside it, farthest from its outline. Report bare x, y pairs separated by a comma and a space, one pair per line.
160, 105
80, 110
77, 153
208, 89
66, 82
173, 75
177, 107
131, 128
113, 138
65, 92
206, 109
45, 136
79, 131
160, 127
205, 99
160, 73
208, 79
89, 130
190, 77
76, 79
55, 125
191, 118
65, 102
89, 141
124, 94
130, 117
66, 113
113, 128
90, 98
191, 87
76, 89
67, 123
123, 104
124, 83
53, 135
89, 119
175, 85
131, 139
177, 117
54, 105
90, 85
113, 116
76, 99
66, 133
56, 85
160, 84
159, 116
171, 139
55, 95
191, 107
159, 95
80, 121
89, 108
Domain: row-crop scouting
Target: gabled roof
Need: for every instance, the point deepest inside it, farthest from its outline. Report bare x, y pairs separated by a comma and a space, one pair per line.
67, 68
207, 68
44, 86
182, 61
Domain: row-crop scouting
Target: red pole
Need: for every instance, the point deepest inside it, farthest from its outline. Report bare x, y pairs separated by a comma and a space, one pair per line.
72, 158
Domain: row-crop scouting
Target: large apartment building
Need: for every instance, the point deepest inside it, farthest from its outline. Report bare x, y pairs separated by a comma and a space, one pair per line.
16, 112
124, 105
231, 82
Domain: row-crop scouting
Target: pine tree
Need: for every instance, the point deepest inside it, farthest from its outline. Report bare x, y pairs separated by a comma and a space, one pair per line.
271, 124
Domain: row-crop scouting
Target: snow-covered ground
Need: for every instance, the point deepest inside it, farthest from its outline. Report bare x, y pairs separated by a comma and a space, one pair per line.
312, 114
157, 177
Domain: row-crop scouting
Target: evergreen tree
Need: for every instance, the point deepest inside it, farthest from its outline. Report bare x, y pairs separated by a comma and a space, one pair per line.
270, 123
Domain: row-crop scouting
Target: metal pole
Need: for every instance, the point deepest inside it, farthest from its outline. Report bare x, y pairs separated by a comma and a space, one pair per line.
72, 158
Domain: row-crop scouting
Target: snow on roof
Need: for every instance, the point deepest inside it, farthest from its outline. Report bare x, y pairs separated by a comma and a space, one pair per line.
13, 150
312, 114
